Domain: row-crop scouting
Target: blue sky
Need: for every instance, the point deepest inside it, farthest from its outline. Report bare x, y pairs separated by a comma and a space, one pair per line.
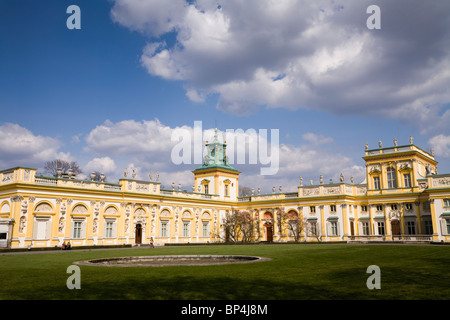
109, 95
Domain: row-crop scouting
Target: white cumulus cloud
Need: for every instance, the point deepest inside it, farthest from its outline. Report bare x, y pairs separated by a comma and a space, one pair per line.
301, 54
441, 145
19, 146
102, 165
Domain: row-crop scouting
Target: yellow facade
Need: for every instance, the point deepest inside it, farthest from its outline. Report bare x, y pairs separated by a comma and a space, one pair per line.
402, 199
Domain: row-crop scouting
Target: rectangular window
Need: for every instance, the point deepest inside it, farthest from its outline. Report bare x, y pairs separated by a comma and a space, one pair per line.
205, 229
227, 191
334, 231
206, 189
448, 225
365, 227
333, 208
376, 183
312, 209
364, 208
379, 207
411, 227
109, 229
381, 228
408, 206
77, 229
313, 228
391, 178
428, 227
186, 229
407, 180
164, 228
446, 202
292, 228
426, 206
41, 229
394, 206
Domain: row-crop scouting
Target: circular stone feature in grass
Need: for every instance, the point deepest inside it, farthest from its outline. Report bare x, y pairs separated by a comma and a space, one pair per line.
171, 260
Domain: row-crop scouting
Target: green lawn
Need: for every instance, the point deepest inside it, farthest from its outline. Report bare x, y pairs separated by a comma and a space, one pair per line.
295, 272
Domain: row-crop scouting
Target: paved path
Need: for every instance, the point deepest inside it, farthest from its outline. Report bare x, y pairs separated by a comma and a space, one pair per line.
73, 250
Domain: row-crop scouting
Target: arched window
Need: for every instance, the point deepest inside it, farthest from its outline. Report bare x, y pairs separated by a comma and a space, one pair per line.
391, 178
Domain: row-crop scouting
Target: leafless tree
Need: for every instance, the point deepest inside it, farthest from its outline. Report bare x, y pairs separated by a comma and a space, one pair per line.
238, 226
51, 167
244, 191
293, 224
312, 229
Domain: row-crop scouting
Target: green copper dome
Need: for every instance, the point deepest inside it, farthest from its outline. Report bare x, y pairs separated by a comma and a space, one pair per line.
216, 156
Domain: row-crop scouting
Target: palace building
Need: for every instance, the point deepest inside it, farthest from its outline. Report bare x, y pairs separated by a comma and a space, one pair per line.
403, 198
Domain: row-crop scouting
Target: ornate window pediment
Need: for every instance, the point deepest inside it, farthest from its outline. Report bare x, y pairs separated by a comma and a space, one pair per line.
206, 216
165, 214
111, 210
44, 208
375, 169
79, 209
405, 167
187, 215
139, 212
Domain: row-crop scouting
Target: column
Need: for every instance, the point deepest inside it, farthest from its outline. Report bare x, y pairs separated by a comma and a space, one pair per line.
419, 219
433, 219
323, 222
344, 221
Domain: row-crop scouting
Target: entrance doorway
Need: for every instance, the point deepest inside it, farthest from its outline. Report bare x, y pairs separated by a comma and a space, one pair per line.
138, 234
352, 230
269, 233
395, 227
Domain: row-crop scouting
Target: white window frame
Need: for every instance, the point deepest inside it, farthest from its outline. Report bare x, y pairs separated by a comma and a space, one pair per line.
186, 228
293, 228
78, 228
313, 228
407, 180
391, 178
205, 229
445, 226
381, 228
334, 228
110, 228
365, 227
376, 183
446, 202
165, 228
40, 222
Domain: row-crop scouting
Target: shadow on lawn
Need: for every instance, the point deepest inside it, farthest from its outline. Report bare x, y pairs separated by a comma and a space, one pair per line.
188, 288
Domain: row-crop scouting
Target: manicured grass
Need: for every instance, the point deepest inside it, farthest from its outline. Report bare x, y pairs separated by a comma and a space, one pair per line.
295, 272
